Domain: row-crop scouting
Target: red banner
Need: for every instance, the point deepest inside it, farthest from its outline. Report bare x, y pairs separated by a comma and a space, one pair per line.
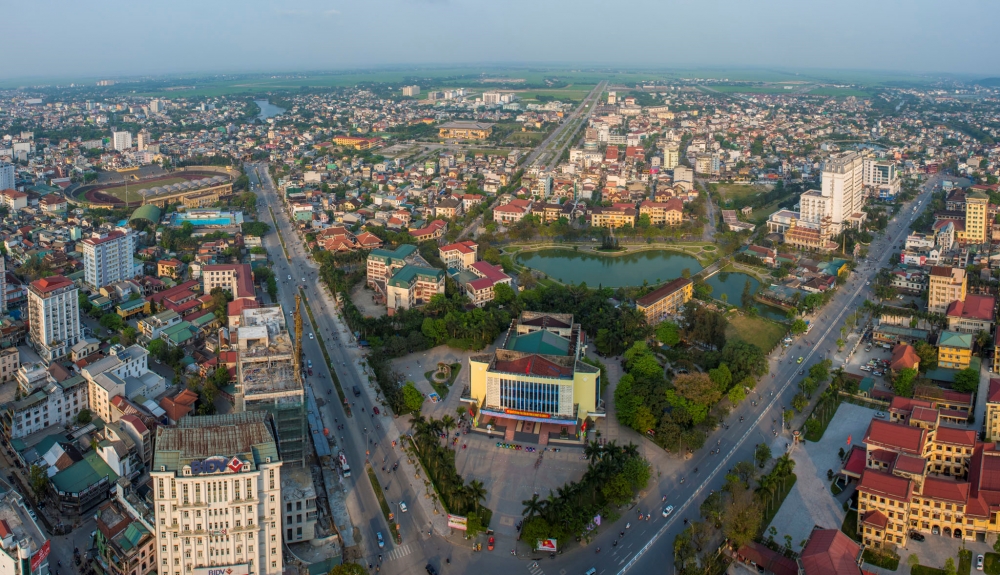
40, 556
526, 413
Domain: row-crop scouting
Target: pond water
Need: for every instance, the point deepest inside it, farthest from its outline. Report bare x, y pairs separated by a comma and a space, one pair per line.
267, 109
630, 269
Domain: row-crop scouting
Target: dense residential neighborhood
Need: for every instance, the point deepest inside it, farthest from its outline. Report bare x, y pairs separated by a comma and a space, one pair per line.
222, 304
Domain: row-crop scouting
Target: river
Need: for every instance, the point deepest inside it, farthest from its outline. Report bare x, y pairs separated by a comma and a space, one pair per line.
268, 110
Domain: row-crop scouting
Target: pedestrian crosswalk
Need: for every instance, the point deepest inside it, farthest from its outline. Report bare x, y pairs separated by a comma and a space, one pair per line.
534, 569
398, 553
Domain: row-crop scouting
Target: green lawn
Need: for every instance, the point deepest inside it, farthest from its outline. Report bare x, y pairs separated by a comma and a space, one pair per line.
761, 332
850, 525
760, 215
886, 560
770, 510
925, 570
991, 564
965, 562
823, 412
734, 191
119, 191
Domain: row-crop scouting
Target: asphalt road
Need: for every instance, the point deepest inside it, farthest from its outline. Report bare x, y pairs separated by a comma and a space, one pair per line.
654, 546
364, 508
647, 545
587, 104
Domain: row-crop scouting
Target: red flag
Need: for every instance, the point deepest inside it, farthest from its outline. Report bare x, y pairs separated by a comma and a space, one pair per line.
848, 440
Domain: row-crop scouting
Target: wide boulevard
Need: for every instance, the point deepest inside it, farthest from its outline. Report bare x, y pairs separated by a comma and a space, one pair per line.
647, 546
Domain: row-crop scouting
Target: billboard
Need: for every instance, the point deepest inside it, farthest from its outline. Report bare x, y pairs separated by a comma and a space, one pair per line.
457, 522
216, 465
526, 413
240, 569
39, 557
546, 545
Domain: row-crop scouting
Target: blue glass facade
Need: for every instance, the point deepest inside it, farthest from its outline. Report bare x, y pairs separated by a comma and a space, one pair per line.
529, 396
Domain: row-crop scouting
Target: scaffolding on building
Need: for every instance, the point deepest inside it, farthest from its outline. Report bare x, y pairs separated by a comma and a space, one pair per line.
268, 381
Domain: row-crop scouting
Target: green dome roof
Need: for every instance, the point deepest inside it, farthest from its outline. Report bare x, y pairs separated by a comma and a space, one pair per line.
148, 212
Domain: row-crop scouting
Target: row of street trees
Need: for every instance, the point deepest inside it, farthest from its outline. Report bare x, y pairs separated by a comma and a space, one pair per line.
735, 515
613, 477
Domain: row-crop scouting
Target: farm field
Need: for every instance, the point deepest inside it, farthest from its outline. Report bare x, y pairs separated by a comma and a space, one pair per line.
469, 77
839, 92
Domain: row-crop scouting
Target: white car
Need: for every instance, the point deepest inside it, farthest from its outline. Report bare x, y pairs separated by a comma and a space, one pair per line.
310, 336
303, 280
289, 278
402, 506
668, 510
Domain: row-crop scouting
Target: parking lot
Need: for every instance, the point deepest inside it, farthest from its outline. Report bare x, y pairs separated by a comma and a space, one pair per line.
872, 362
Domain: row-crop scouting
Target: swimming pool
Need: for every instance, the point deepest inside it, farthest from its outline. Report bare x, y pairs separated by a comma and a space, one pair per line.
211, 219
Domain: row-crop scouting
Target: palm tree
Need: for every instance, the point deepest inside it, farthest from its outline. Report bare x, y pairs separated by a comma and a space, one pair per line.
532, 507
434, 426
476, 492
461, 411
592, 451
419, 424
631, 450
767, 484
447, 422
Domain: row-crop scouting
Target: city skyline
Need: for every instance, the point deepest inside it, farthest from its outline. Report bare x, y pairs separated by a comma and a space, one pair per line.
260, 36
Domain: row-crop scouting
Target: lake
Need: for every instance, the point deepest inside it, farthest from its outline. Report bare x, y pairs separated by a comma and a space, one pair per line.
630, 269
267, 109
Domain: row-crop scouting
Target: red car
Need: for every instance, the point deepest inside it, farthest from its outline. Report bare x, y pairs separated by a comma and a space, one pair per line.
489, 544
375, 409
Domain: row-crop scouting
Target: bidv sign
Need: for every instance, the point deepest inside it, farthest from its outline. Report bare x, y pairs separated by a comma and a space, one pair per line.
216, 465
242, 569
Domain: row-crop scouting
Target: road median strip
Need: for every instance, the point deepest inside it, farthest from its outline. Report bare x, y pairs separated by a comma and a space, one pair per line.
326, 354
386, 512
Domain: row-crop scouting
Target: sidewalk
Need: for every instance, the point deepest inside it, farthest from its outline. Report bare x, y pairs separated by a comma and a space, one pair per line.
408, 466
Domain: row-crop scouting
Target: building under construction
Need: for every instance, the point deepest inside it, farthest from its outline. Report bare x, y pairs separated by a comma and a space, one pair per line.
269, 378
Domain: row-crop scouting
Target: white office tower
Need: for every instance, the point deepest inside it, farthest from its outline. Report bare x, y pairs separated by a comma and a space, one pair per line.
121, 140
217, 496
671, 156
107, 258
840, 197
6, 176
881, 175
54, 315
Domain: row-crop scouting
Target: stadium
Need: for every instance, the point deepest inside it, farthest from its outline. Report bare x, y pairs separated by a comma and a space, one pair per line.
193, 188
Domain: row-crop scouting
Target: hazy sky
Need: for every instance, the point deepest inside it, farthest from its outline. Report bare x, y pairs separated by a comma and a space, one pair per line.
70, 38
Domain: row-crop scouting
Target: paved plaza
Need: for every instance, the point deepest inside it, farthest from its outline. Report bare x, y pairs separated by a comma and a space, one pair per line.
811, 502
511, 476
